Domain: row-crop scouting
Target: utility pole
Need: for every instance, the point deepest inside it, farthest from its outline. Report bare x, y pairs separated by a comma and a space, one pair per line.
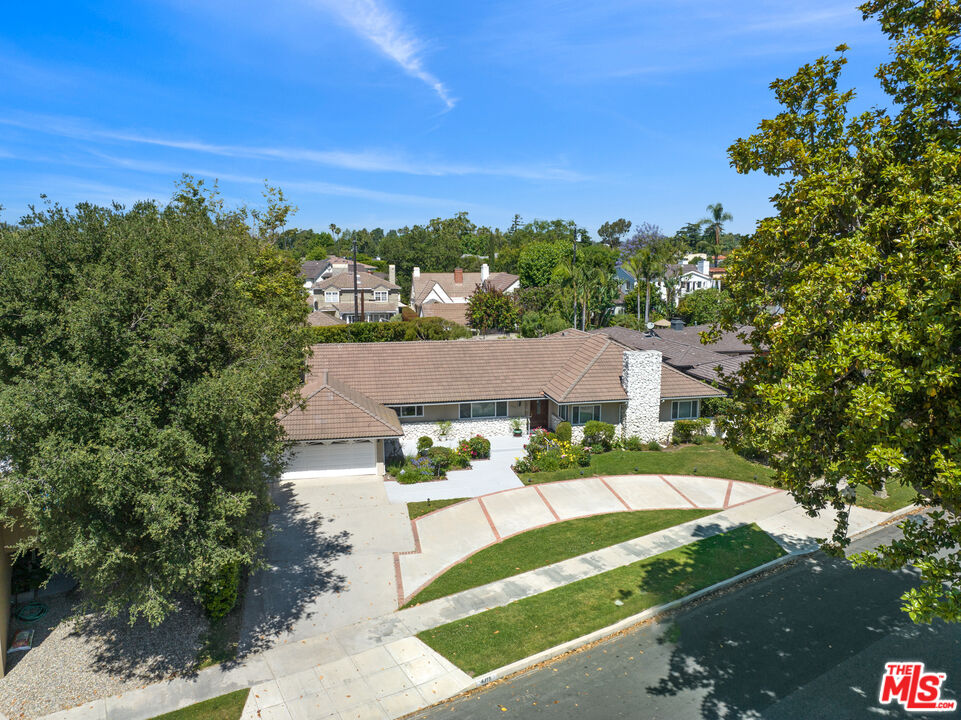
356, 309
574, 278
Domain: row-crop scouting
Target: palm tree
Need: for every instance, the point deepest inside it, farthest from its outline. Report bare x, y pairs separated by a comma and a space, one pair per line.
716, 220
644, 265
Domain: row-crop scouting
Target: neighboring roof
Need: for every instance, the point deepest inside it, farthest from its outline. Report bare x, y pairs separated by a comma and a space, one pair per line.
681, 349
687, 268
662, 323
313, 268
455, 312
365, 281
335, 411
728, 343
569, 367
337, 260
425, 282
367, 307
321, 319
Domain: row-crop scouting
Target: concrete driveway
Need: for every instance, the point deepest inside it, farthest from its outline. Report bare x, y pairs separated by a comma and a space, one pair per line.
330, 556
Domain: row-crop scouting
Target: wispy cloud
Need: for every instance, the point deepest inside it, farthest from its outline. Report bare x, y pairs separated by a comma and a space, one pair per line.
363, 161
376, 23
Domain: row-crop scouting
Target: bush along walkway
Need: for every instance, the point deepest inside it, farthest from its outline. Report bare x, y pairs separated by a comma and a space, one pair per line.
380, 668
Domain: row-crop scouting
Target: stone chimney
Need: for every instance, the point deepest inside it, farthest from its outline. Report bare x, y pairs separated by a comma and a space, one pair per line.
485, 273
641, 378
392, 273
416, 272
458, 276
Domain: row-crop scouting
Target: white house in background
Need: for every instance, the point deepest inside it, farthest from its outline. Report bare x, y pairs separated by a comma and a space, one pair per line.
692, 277
446, 294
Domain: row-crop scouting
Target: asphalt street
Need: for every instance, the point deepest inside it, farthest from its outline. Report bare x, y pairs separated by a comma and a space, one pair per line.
809, 641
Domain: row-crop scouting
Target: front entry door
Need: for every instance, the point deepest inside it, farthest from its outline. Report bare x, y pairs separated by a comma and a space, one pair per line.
538, 414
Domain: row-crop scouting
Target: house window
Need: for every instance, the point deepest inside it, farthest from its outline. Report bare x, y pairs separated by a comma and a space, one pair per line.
380, 296
410, 411
483, 410
563, 410
581, 414
331, 295
683, 409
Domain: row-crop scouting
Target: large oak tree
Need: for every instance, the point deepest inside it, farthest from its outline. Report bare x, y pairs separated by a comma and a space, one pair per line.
144, 353
854, 292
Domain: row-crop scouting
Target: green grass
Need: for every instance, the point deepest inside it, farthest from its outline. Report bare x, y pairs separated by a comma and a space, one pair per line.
224, 707
416, 509
506, 634
708, 460
899, 496
551, 544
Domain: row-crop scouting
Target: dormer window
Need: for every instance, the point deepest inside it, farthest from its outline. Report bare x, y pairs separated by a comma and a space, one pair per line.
332, 295
380, 296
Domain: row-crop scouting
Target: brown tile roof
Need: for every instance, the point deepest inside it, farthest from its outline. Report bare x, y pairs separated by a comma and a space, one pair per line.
336, 260
421, 286
322, 319
365, 280
313, 268
455, 312
729, 366
728, 343
334, 411
675, 384
368, 306
571, 367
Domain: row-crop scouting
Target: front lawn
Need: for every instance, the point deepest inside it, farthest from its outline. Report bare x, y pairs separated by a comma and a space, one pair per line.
506, 634
416, 509
707, 460
224, 707
551, 544
899, 496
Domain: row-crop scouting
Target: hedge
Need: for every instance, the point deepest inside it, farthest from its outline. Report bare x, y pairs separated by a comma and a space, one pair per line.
393, 331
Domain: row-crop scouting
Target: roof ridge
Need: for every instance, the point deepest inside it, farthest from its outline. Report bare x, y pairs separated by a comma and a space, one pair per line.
353, 402
586, 369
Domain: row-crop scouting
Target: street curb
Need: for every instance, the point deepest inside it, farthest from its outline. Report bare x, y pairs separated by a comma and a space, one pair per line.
551, 653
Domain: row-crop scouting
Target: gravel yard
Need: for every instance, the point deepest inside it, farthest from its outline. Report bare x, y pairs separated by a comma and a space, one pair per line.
70, 665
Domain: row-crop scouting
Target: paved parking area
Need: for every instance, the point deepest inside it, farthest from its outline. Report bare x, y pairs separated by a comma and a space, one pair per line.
330, 554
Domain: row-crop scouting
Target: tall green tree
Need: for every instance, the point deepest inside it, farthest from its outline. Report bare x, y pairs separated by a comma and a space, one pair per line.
144, 354
857, 381
612, 232
715, 220
490, 309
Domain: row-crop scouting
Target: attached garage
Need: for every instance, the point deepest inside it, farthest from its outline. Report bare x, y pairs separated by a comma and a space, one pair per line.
350, 457
337, 432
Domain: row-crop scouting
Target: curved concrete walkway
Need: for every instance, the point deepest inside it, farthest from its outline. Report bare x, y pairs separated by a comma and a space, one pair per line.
448, 536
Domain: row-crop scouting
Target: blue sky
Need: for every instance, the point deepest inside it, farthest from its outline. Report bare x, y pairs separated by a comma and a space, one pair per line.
391, 112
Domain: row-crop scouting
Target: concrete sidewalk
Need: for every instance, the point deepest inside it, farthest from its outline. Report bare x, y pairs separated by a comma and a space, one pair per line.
378, 669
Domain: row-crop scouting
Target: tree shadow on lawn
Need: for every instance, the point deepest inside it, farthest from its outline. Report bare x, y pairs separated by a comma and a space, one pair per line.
743, 652
299, 554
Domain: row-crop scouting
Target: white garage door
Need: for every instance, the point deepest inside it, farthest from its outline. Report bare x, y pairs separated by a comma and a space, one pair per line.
348, 458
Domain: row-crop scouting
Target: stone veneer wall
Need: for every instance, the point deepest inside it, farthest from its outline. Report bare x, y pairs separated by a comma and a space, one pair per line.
641, 378
461, 429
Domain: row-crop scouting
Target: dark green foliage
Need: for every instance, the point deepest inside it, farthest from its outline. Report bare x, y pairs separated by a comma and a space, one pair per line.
415, 471
490, 309
633, 443
441, 459
221, 594
654, 445
703, 307
563, 431
394, 331
598, 434
144, 355
535, 324
424, 443
481, 446
689, 430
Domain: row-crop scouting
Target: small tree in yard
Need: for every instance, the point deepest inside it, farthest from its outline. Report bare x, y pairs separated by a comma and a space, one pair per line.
490, 309
856, 384
144, 355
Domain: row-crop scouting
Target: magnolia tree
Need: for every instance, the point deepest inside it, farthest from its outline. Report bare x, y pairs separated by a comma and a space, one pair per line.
144, 354
853, 290
490, 309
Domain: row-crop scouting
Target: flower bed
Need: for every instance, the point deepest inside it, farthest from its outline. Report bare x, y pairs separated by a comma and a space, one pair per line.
433, 461
545, 453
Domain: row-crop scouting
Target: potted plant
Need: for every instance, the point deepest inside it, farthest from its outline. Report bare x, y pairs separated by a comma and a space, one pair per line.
516, 427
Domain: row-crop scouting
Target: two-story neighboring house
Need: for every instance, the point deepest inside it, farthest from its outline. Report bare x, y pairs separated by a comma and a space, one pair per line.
445, 295
378, 299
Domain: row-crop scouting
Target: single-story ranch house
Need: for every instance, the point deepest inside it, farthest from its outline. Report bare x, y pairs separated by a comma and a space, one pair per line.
361, 399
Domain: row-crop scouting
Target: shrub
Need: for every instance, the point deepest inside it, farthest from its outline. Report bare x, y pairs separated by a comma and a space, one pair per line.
563, 431
654, 445
443, 427
481, 446
633, 443
546, 453
688, 430
221, 595
423, 444
416, 471
549, 461
440, 458
598, 434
